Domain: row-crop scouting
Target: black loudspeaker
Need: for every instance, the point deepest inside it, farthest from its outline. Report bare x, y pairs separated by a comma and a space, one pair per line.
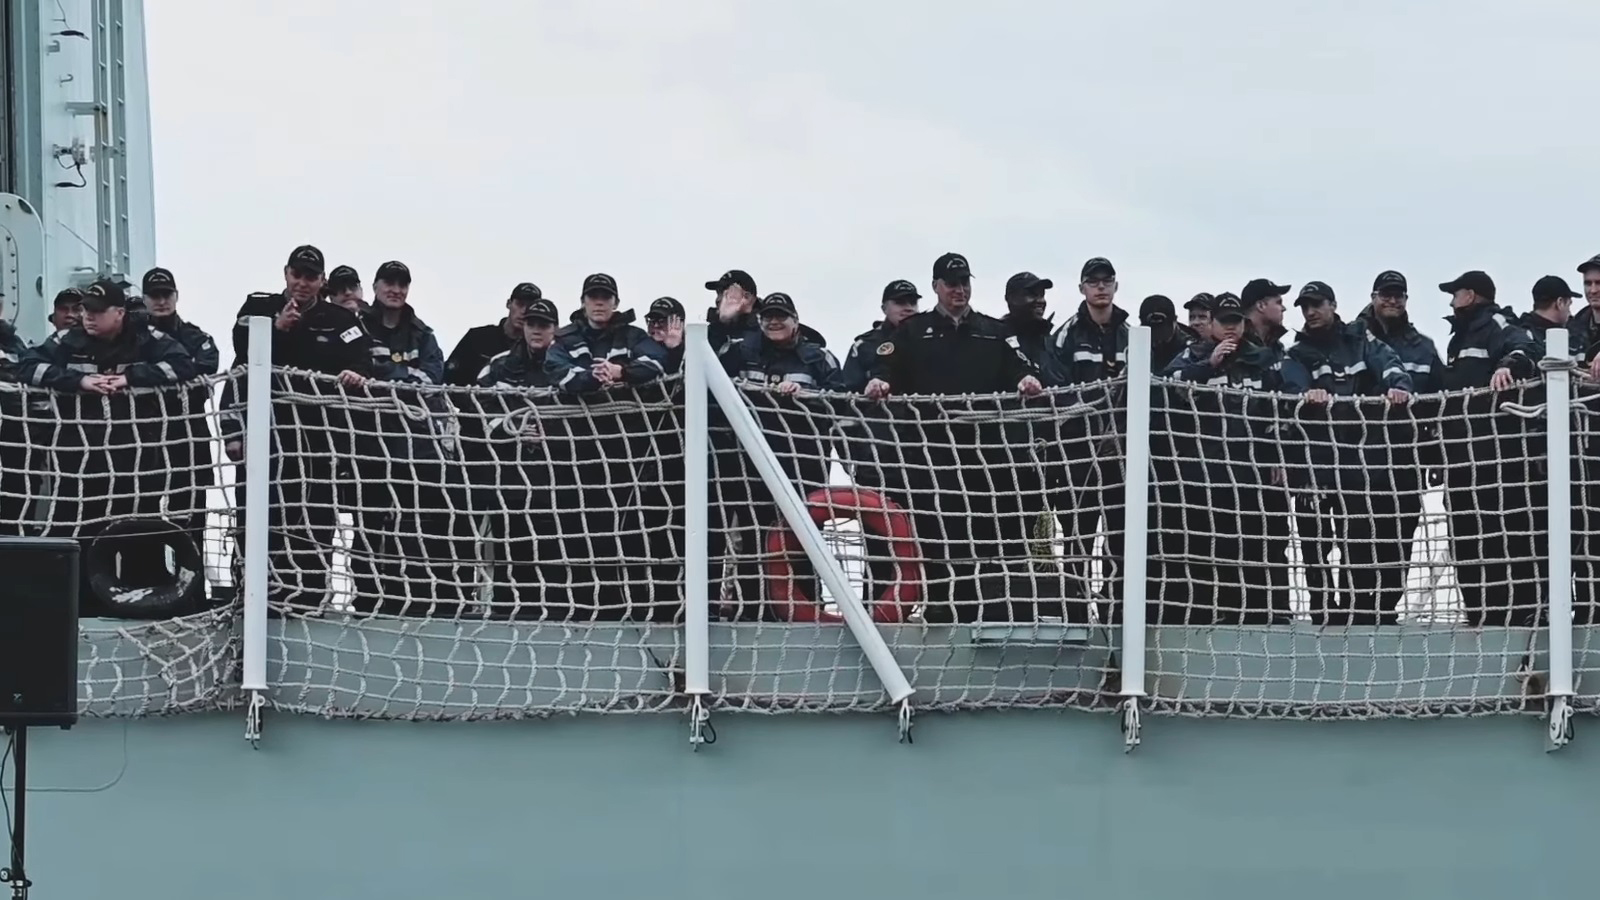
38, 632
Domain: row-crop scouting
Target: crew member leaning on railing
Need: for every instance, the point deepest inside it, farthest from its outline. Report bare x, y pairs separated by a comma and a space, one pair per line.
600, 356
1495, 534
1230, 445
308, 333
961, 477
796, 427
1348, 489
1584, 341
1089, 352
413, 546
106, 470
520, 462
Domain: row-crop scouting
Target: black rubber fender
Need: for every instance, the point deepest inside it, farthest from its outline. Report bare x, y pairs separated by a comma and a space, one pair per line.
184, 595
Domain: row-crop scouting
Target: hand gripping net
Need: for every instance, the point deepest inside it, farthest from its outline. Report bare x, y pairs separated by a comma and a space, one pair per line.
462, 553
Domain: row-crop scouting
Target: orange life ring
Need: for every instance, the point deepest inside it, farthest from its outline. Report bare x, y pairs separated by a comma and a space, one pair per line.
877, 515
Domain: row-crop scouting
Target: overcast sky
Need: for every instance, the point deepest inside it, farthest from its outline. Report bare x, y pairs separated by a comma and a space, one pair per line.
830, 146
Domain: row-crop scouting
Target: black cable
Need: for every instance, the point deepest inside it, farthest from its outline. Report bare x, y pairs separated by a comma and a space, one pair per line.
6, 804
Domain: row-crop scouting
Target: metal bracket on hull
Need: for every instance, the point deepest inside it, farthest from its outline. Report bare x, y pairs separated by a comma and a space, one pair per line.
1560, 733
905, 722
1130, 724
700, 728
253, 710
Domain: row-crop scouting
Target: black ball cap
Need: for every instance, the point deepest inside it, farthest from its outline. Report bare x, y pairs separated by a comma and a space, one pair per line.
541, 310
69, 297
103, 295
665, 308
1476, 281
344, 273
526, 292
1592, 262
1156, 309
307, 261
777, 304
951, 267
1260, 289
393, 272
900, 291
1552, 287
1098, 267
1315, 292
600, 283
158, 281
1024, 284
1201, 300
1228, 307
730, 278
1389, 282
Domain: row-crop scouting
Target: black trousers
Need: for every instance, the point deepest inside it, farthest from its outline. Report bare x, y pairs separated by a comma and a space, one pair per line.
1497, 535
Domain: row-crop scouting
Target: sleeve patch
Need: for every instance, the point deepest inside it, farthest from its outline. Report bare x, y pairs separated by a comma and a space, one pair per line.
350, 334
886, 348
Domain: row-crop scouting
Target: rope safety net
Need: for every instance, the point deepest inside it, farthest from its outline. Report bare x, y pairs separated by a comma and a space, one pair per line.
472, 552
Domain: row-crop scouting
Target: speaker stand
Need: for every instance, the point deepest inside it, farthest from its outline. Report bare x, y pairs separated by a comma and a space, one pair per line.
19, 789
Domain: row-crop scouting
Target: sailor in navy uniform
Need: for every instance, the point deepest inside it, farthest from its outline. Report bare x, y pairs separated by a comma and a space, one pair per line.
1584, 342
1496, 523
962, 477
110, 464
1229, 447
485, 342
1349, 455
664, 323
602, 357
344, 289
413, 537
869, 435
518, 458
191, 475
779, 358
309, 333
734, 314
1411, 443
1086, 352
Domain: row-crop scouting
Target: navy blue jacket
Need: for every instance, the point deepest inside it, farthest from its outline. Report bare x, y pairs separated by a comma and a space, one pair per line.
1484, 338
1032, 333
1229, 433
1083, 351
579, 346
407, 352
1348, 441
930, 353
862, 357
145, 356
755, 358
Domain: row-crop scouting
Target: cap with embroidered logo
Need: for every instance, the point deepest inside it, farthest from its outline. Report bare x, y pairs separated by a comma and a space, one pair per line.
526, 292
1389, 282
541, 310
777, 304
393, 272
1026, 284
307, 261
103, 295
1156, 309
158, 281
600, 283
1098, 267
1314, 292
1201, 300
663, 308
951, 267
730, 278
900, 291
1260, 289
1228, 307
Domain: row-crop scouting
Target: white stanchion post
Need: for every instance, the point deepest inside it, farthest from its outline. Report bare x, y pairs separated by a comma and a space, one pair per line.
1136, 500
1558, 422
697, 516
257, 474
794, 512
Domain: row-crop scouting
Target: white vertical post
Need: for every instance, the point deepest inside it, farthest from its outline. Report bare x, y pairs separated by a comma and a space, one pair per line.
697, 500
1558, 431
1136, 525
794, 512
257, 474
